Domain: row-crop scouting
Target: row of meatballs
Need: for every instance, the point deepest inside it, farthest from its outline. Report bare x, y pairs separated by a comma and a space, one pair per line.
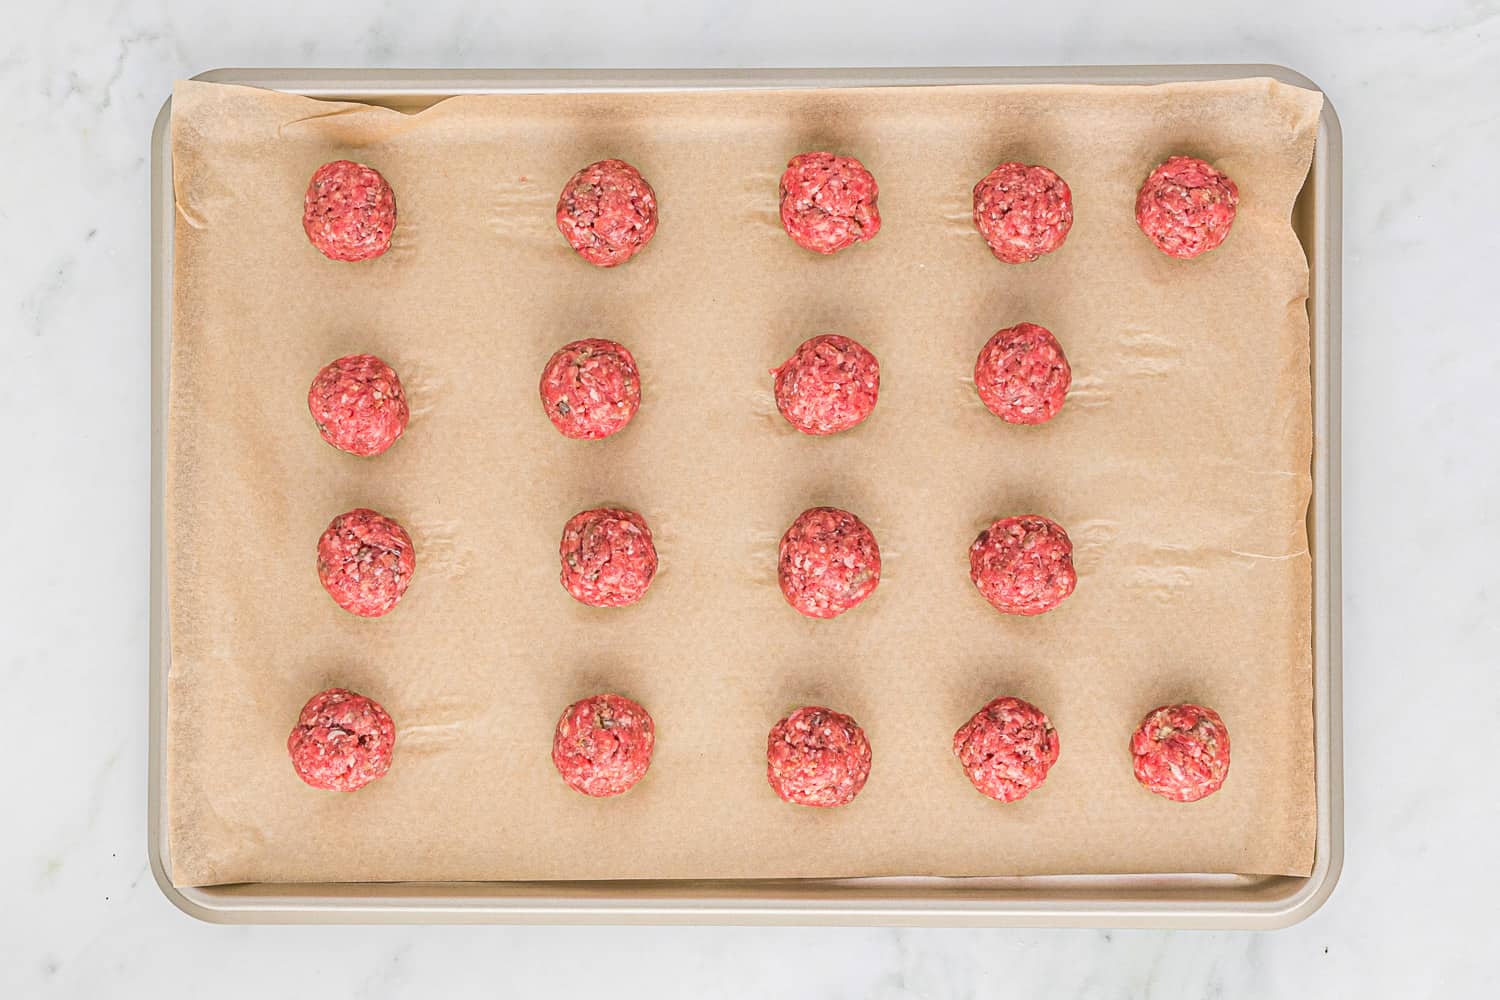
814, 756
828, 561
608, 212
591, 389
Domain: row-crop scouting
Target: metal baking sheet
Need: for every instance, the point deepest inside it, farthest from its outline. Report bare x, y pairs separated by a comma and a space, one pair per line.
1139, 900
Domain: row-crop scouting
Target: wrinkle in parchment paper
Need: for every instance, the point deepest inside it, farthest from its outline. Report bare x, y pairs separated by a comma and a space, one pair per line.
1179, 466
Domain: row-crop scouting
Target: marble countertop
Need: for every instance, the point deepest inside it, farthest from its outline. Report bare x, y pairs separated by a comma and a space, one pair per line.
1418, 90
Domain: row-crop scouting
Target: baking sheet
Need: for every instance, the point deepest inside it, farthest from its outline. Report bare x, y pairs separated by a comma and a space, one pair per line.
1179, 466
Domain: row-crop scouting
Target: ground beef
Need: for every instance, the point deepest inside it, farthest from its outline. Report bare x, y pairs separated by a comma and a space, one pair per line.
349, 212
365, 562
1181, 752
828, 202
1022, 375
603, 745
1007, 748
828, 563
817, 757
1186, 207
358, 404
1023, 565
591, 388
342, 741
1022, 212
829, 385
607, 212
608, 558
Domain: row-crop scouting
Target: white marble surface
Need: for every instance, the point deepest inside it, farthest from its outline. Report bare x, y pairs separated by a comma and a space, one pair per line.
1418, 88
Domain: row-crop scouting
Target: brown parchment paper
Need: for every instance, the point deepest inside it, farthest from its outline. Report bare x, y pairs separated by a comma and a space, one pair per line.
1179, 466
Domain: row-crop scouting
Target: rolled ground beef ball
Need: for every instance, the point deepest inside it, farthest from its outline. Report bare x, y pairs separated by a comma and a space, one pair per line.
1186, 207
1022, 211
828, 385
358, 404
1007, 748
365, 562
1022, 374
591, 389
828, 202
1023, 565
607, 212
817, 757
1181, 752
342, 741
828, 562
608, 558
603, 745
349, 211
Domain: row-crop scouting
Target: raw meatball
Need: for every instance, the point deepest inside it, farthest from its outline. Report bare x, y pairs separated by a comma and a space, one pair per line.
1022, 375
1022, 212
1181, 752
829, 562
828, 385
358, 404
349, 212
603, 745
365, 562
608, 559
1023, 565
591, 388
342, 741
1007, 748
828, 202
817, 757
1186, 207
607, 212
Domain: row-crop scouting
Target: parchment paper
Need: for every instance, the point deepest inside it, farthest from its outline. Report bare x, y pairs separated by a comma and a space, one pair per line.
1180, 466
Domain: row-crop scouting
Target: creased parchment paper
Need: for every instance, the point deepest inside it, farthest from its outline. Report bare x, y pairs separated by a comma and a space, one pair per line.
1179, 466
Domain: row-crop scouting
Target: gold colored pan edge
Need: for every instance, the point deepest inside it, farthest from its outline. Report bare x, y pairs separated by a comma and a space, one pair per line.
1167, 900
